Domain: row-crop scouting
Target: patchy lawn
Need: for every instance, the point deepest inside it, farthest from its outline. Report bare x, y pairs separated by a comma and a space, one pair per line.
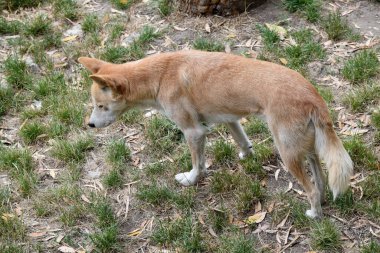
67, 188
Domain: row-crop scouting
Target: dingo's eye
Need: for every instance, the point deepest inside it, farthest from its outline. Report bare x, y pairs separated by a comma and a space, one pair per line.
100, 106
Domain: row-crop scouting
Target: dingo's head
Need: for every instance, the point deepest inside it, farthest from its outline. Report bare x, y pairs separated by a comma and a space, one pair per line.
107, 92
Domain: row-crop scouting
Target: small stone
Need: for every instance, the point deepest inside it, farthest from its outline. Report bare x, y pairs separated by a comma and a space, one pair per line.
31, 64
75, 30
129, 39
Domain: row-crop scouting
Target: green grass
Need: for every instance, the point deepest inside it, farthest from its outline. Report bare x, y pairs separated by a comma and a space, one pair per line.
180, 233
362, 155
116, 31
249, 192
118, 153
156, 168
375, 118
371, 187
13, 5
224, 181
16, 72
371, 247
326, 94
122, 4
135, 51
114, 179
132, 116
162, 134
66, 8
208, 45
325, 236
72, 151
237, 243
361, 67
49, 85
304, 52
31, 131
19, 163
271, 39
106, 239
31, 113
12, 228
40, 25
158, 195
337, 28
311, 9
10, 27
91, 24
6, 100
224, 152
255, 127
359, 98
218, 219
165, 7
345, 203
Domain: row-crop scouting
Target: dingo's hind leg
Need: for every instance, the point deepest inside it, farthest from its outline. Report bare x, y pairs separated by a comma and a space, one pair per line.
240, 138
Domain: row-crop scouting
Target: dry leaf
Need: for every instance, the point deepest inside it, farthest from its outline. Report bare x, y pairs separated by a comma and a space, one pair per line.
248, 43
66, 249
7, 216
70, 38
37, 234
276, 174
283, 61
256, 218
59, 238
207, 28
289, 187
135, 232
212, 232
85, 199
278, 29
179, 28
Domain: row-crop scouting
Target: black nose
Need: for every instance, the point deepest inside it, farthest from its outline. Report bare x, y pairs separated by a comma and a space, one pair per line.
91, 124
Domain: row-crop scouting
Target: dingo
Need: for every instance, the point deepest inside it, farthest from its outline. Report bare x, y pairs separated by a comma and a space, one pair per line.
193, 87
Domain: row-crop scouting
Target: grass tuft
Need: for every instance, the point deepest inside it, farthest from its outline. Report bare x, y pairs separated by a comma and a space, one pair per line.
118, 153
40, 25
19, 163
208, 45
16, 72
30, 132
91, 24
336, 27
69, 151
361, 67
371, 247
181, 233
224, 152
165, 7
362, 155
325, 236
358, 99
66, 8
162, 134
6, 100
237, 243
123, 4
311, 9
10, 27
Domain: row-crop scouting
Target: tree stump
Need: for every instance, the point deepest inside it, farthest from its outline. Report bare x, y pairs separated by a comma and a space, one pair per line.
219, 7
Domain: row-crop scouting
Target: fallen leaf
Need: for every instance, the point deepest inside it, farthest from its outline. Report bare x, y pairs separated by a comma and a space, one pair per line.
248, 43
85, 199
70, 38
66, 249
212, 232
207, 28
256, 218
289, 187
7, 216
278, 29
135, 232
59, 238
179, 28
276, 174
37, 234
283, 61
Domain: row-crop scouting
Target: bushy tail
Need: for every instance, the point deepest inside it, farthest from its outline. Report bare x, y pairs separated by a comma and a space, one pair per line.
331, 150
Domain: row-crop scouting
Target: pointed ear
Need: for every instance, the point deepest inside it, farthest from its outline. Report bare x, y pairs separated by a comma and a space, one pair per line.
119, 85
91, 64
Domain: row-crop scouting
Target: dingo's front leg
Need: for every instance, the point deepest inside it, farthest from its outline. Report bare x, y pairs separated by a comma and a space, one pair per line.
241, 139
196, 140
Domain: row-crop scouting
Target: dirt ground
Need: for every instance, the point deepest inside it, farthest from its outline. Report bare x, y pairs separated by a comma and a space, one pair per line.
180, 30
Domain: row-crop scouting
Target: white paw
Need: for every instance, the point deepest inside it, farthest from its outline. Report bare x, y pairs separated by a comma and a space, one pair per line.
186, 178
311, 214
244, 154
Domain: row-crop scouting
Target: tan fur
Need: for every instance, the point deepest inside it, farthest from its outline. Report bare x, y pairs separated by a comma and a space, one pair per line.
192, 87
